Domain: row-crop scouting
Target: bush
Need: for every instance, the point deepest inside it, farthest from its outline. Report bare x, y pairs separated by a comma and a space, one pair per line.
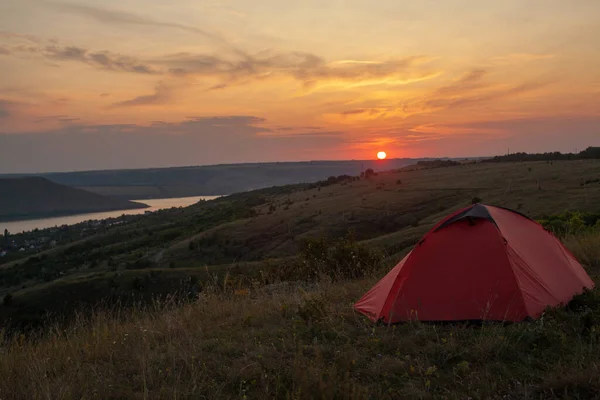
338, 259
369, 173
8, 299
571, 223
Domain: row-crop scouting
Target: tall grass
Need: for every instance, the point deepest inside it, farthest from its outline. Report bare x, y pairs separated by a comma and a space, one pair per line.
307, 343
586, 247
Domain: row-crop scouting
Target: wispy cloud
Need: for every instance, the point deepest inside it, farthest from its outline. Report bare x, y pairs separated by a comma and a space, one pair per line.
469, 81
297, 128
102, 60
28, 47
235, 67
109, 16
354, 111
58, 118
308, 68
517, 58
162, 93
4, 106
482, 97
471, 89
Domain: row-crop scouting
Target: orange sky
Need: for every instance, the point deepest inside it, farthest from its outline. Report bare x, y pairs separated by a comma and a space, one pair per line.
137, 83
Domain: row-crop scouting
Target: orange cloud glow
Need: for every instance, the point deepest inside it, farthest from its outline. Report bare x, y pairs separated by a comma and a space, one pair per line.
292, 82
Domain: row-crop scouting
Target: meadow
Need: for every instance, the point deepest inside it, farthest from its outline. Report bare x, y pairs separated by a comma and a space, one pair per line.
250, 296
302, 341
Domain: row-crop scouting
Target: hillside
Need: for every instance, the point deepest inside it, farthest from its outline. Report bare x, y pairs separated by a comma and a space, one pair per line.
214, 179
255, 236
263, 305
34, 197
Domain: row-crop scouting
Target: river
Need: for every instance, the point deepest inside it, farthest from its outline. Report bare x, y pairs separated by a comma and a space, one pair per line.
155, 205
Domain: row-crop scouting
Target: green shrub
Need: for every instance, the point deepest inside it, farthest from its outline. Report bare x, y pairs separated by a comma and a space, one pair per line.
338, 259
571, 223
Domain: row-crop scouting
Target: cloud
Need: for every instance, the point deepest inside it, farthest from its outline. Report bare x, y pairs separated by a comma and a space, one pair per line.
219, 86
235, 67
308, 68
162, 94
471, 89
354, 112
435, 131
19, 36
517, 58
469, 81
29, 47
102, 60
228, 120
57, 118
560, 133
301, 133
466, 98
295, 128
108, 16
196, 141
6, 107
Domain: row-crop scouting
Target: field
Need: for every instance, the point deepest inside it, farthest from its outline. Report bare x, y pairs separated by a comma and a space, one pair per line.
304, 342
243, 234
245, 307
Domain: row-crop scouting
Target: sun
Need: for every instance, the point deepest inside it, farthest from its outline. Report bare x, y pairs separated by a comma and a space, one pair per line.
381, 155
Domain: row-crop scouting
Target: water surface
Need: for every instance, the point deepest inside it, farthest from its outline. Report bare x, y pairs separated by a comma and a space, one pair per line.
155, 205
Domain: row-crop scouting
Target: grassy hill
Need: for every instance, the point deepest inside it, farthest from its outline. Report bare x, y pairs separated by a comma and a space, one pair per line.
250, 295
34, 197
257, 236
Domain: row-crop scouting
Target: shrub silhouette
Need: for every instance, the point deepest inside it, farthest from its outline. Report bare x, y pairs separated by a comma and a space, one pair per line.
369, 173
339, 259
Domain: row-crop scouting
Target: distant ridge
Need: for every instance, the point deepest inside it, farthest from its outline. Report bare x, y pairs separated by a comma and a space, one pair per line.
220, 179
36, 197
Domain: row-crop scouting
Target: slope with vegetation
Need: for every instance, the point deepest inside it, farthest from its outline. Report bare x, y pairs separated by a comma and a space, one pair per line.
256, 235
587, 154
33, 197
303, 341
257, 291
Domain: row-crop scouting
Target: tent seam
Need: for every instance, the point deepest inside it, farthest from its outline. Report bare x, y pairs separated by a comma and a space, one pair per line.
512, 270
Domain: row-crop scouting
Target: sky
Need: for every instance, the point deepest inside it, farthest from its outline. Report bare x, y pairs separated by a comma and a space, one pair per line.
106, 84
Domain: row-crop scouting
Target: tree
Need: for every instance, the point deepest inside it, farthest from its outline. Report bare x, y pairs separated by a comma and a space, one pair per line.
369, 173
6, 236
7, 299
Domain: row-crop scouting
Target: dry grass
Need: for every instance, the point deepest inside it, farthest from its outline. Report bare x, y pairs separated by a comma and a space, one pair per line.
307, 343
586, 247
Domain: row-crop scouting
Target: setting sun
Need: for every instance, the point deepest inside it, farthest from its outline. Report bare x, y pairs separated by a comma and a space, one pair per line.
381, 155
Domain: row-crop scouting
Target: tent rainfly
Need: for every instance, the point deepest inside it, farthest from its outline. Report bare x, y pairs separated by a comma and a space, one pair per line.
480, 263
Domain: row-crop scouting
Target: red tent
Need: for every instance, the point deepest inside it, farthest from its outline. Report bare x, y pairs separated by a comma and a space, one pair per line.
480, 263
